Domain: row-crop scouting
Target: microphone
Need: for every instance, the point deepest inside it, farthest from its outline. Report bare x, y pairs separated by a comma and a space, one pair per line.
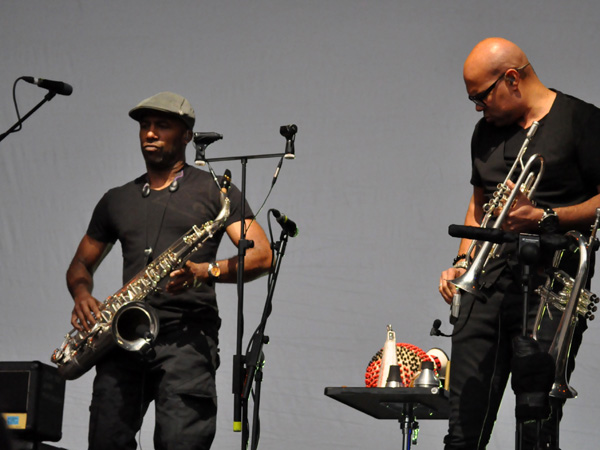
206, 138
289, 226
435, 329
549, 241
289, 133
201, 141
494, 235
226, 181
57, 87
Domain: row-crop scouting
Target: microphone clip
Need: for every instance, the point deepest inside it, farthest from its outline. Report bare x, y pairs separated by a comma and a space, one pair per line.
289, 133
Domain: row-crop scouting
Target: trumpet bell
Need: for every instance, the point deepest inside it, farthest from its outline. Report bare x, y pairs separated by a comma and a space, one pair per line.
468, 282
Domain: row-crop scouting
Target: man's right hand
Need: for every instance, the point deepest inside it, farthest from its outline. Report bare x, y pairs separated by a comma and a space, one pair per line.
447, 289
85, 312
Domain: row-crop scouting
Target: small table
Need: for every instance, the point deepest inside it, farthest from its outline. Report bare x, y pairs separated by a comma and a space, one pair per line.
402, 404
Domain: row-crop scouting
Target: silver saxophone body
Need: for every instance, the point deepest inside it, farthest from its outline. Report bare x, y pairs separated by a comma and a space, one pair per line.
125, 319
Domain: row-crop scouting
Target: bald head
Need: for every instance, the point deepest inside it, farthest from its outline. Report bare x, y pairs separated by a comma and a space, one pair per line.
491, 57
503, 85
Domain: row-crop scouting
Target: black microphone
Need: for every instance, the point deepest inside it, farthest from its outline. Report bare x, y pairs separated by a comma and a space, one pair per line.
206, 138
289, 226
494, 235
201, 141
288, 131
435, 329
57, 87
548, 241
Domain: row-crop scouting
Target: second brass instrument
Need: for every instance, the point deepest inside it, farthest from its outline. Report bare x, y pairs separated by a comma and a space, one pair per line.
569, 295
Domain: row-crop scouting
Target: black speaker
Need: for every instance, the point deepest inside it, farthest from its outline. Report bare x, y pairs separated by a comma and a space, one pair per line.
32, 396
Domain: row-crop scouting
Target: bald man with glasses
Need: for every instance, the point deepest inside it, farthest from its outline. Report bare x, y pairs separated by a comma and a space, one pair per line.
505, 88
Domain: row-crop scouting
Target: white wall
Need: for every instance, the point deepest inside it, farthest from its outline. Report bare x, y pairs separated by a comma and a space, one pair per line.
382, 169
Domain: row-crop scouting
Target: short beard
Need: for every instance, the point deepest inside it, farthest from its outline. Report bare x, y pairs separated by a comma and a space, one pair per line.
165, 161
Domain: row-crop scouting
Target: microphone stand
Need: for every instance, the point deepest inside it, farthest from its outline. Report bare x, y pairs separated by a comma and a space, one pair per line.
529, 252
255, 358
240, 405
49, 96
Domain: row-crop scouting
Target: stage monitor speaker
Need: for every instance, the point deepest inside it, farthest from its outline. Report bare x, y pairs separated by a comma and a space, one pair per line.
32, 396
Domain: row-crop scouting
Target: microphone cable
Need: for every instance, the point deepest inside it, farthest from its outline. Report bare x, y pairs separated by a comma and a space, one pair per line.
275, 176
14, 94
437, 323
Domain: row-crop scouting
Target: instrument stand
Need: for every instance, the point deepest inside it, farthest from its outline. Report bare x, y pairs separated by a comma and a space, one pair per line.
405, 405
240, 406
409, 426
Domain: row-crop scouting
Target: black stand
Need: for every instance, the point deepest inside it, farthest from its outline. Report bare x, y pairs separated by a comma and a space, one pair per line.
529, 251
49, 96
403, 404
255, 357
240, 406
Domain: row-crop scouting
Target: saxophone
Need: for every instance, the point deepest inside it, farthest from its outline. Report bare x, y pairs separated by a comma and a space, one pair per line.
125, 319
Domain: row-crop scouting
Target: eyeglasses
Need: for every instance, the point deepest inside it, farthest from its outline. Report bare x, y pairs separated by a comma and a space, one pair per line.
479, 99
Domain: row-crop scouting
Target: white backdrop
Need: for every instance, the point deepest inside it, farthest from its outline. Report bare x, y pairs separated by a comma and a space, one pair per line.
382, 169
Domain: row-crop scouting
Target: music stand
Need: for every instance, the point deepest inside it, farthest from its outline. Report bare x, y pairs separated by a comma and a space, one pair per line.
402, 404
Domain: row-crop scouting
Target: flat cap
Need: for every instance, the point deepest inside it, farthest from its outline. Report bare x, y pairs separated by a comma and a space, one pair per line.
167, 102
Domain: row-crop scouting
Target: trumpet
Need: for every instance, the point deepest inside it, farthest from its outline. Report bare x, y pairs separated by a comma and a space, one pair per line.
560, 286
527, 183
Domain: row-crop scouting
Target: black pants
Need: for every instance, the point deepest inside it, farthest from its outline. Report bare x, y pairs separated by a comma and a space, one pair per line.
179, 376
481, 357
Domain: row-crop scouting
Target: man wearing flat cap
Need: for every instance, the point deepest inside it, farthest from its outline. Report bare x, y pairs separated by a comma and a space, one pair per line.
147, 215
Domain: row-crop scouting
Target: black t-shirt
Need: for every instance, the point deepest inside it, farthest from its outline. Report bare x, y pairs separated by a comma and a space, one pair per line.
568, 139
157, 221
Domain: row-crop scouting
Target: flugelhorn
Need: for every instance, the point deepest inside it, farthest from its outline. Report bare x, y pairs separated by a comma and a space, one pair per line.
526, 183
581, 303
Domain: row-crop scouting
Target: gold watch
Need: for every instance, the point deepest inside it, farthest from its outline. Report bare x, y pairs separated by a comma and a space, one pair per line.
214, 271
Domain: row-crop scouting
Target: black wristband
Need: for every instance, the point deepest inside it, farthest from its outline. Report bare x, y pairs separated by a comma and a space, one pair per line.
458, 258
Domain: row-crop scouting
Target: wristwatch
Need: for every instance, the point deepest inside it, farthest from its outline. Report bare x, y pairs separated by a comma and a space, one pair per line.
214, 271
549, 221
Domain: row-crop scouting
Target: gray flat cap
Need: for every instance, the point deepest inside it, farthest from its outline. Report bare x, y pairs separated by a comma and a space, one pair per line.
167, 102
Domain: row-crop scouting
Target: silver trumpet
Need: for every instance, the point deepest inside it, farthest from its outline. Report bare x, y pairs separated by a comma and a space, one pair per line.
579, 303
526, 183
